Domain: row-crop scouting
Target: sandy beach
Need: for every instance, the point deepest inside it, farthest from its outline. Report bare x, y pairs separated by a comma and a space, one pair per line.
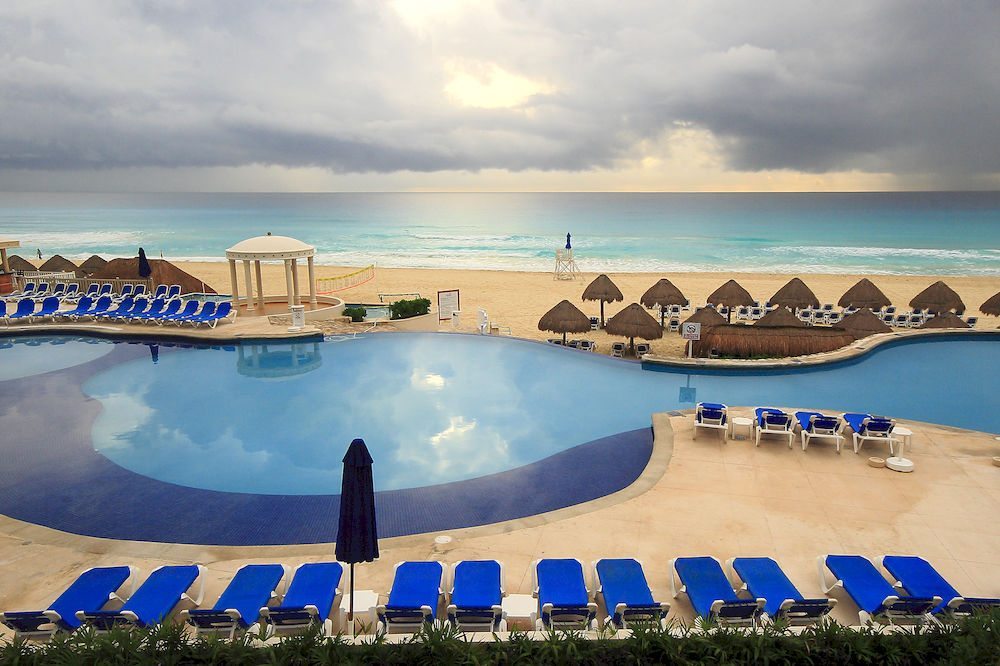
518, 299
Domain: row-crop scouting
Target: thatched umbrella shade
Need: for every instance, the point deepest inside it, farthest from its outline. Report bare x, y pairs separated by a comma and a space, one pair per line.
20, 264
938, 297
604, 290
634, 322
863, 323
564, 318
732, 295
991, 306
707, 317
945, 320
93, 264
663, 294
770, 342
795, 295
780, 316
58, 264
864, 295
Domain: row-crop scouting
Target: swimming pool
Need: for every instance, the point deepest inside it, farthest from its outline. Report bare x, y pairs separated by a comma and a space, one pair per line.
266, 420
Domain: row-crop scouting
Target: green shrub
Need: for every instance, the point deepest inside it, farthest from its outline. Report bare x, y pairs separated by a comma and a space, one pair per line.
356, 314
973, 641
410, 308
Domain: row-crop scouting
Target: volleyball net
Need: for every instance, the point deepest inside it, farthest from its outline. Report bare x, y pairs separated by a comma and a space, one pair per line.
347, 281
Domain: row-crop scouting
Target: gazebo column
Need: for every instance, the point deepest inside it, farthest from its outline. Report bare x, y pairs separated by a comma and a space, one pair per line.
260, 286
295, 282
234, 286
288, 280
312, 280
249, 283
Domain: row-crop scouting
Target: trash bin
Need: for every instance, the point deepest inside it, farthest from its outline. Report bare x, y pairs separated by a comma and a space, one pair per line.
298, 318
456, 319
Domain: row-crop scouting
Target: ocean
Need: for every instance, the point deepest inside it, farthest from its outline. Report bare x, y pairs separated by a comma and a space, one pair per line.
941, 233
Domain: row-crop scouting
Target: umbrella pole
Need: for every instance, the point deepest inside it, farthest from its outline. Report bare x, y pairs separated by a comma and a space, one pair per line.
350, 612
662, 313
602, 314
564, 338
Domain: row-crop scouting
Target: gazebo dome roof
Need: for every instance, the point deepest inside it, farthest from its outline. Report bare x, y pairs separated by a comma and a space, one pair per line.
270, 247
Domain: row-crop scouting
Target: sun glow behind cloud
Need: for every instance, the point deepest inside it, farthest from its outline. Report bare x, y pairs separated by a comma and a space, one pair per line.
489, 86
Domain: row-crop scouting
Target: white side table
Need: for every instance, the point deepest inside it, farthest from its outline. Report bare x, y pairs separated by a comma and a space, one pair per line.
738, 423
904, 436
520, 610
365, 602
898, 463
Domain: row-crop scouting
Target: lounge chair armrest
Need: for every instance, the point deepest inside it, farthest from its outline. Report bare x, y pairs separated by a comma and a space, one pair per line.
909, 605
675, 589
312, 610
825, 577
52, 616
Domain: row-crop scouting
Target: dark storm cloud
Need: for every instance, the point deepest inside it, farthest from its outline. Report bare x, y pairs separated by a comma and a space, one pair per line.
901, 87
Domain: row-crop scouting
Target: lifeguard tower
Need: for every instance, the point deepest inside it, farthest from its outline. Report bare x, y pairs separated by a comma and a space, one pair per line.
565, 264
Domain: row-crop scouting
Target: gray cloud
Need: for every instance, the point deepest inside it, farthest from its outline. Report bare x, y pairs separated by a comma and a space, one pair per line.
900, 87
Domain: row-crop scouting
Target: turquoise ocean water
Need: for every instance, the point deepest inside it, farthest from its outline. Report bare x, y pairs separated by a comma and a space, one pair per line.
897, 233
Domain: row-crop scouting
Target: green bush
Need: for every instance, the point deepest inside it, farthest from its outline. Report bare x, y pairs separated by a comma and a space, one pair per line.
973, 641
411, 308
356, 314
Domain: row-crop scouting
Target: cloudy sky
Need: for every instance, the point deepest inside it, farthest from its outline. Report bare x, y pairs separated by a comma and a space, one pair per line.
305, 95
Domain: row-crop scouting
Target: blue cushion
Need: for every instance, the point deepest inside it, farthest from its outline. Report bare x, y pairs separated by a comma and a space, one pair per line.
705, 582
920, 579
416, 584
560, 583
866, 586
314, 584
766, 580
855, 419
623, 582
249, 590
804, 417
477, 585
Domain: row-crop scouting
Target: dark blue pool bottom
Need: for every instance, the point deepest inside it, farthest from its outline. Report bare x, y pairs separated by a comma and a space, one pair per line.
50, 475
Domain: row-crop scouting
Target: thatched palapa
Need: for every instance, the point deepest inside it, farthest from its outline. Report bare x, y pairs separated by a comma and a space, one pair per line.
663, 294
732, 295
991, 306
59, 264
604, 290
863, 323
945, 320
864, 295
564, 318
706, 317
780, 316
938, 297
93, 264
20, 264
795, 295
736, 341
164, 272
634, 322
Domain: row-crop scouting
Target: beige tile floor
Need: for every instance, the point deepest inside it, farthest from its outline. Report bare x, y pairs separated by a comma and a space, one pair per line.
703, 496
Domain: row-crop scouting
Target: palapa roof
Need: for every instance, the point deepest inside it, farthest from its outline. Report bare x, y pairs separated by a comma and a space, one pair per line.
736, 341
938, 297
991, 306
93, 264
634, 322
731, 294
164, 272
58, 264
17, 263
564, 318
706, 317
602, 289
780, 316
945, 320
863, 321
795, 294
663, 293
864, 295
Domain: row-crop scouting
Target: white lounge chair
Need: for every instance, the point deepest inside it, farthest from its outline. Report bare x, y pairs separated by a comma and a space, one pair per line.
711, 416
771, 421
820, 426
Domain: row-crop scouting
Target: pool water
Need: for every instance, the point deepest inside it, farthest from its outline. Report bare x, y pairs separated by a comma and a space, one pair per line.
435, 408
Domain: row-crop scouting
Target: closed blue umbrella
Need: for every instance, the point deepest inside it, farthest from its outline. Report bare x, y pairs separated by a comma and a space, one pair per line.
357, 535
568, 246
145, 270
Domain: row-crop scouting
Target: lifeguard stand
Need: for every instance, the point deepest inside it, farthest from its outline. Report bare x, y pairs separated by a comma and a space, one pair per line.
565, 265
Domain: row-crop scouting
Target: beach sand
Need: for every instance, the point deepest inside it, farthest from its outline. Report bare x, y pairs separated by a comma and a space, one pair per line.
518, 299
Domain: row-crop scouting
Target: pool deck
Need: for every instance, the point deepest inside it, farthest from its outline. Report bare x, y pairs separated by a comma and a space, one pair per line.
701, 496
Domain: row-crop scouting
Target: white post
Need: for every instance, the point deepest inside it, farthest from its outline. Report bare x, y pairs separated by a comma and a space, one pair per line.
312, 280
260, 286
295, 282
249, 283
233, 283
288, 280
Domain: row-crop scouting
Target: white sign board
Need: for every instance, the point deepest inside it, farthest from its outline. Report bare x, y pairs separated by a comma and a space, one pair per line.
691, 331
448, 302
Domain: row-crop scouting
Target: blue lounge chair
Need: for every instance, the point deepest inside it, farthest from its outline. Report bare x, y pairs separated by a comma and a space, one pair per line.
126, 292
72, 292
50, 305
92, 290
3, 310
138, 305
82, 306
867, 427
563, 597
253, 587
173, 292
25, 308
915, 576
91, 591
123, 307
772, 421
161, 291
413, 599
27, 291
102, 305
140, 290
41, 290
172, 308
763, 579
207, 310
820, 426
312, 596
154, 309
621, 584
712, 597
190, 307
222, 312
163, 592
711, 416
876, 599
105, 289
477, 596
59, 291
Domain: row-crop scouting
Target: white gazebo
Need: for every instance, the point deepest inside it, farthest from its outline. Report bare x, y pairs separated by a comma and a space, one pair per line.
271, 248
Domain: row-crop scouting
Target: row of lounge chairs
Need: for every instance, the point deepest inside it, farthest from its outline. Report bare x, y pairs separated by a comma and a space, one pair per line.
257, 600
139, 310
811, 425
71, 292
583, 345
